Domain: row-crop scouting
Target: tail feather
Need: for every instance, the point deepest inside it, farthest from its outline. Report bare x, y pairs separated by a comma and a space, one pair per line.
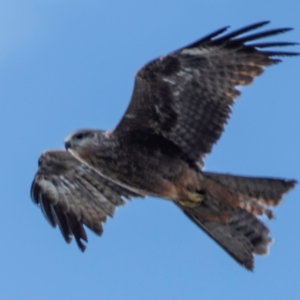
268, 191
242, 237
228, 212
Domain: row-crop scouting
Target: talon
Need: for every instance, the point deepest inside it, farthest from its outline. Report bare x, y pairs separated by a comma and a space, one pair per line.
193, 200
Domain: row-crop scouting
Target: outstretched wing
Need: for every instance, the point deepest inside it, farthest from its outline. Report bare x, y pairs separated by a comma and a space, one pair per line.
71, 195
186, 96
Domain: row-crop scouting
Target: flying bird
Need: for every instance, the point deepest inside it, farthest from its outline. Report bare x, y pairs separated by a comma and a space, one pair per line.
178, 110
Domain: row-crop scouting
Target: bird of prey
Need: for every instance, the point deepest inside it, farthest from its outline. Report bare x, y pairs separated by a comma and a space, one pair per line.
179, 107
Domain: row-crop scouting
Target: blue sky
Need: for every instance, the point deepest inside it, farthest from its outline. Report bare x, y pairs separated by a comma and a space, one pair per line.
66, 65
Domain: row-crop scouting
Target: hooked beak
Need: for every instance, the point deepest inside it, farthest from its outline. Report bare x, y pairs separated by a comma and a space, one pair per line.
67, 143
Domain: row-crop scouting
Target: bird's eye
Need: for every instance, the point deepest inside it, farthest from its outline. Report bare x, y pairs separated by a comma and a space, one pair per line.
79, 136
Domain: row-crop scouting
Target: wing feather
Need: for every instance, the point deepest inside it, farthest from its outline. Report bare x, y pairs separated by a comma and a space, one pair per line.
71, 195
186, 96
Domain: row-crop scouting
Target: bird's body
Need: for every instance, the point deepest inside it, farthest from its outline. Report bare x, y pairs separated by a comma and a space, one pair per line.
151, 167
180, 105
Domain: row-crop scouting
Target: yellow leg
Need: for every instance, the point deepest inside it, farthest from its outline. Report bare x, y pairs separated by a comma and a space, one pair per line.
193, 199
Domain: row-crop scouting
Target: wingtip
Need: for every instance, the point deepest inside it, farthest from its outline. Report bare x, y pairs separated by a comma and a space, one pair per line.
262, 23
275, 44
82, 247
254, 26
285, 29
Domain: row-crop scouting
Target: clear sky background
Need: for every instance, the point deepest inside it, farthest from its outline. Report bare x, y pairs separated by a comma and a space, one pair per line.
66, 65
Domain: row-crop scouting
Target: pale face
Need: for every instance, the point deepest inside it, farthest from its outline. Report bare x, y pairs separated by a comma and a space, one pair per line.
84, 143
80, 139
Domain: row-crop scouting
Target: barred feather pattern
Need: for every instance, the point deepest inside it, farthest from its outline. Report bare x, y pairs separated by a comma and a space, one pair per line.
71, 195
187, 95
179, 108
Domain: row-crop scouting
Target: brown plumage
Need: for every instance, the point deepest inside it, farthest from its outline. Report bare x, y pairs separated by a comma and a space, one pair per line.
179, 107
71, 194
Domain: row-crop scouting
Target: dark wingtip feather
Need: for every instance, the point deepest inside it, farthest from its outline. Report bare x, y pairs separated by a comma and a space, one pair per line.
242, 31
206, 38
210, 37
80, 244
260, 35
45, 205
274, 44
234, 40
62, 222
213, 34
280, 53
78, 231
37, 197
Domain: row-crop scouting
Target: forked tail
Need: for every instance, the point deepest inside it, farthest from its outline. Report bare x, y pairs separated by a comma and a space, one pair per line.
229, 210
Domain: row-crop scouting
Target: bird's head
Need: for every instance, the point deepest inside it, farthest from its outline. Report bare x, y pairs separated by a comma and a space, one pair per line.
84, 139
